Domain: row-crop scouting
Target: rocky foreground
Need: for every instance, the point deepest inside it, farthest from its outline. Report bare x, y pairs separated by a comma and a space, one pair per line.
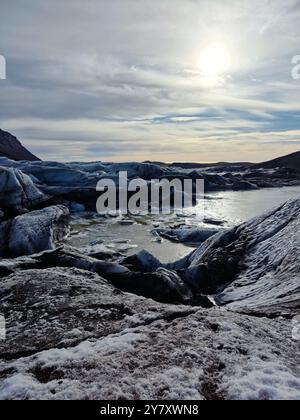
73, 336
82, 327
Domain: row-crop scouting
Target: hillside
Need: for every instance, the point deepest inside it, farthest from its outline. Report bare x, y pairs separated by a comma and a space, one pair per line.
12, 148
291, 161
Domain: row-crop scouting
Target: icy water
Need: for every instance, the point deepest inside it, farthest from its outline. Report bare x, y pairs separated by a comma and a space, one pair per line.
239, 206
90, 230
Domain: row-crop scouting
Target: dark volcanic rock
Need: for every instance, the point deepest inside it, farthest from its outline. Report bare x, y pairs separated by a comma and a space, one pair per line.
142, 262
162, 285
187, 235
12, 148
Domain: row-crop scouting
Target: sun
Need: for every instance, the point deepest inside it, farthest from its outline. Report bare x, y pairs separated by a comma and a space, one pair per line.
214, 61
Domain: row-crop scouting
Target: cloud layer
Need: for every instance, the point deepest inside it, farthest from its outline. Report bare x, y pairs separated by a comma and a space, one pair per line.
119, 80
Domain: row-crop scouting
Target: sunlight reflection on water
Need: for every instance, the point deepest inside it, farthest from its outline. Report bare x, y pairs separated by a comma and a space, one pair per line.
232, 207
239, 206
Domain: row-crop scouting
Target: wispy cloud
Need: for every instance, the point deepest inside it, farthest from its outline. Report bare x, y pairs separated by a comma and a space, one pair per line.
119, 80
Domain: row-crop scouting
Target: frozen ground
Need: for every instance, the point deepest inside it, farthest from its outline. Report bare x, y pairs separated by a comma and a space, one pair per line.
125, 347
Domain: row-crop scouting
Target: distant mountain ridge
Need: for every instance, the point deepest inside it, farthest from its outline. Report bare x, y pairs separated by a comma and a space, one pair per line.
13, 149
200, 165
291, 161
191, 165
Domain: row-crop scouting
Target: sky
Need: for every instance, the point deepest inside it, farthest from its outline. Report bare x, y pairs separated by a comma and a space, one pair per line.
162, 80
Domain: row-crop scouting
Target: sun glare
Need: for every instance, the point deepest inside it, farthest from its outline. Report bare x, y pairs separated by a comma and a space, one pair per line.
214, 61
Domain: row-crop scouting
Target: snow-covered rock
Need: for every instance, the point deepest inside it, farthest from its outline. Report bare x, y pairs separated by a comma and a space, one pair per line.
37, 231
56, 301
89, 167
258, 261
70, 335
17, 191
62, 176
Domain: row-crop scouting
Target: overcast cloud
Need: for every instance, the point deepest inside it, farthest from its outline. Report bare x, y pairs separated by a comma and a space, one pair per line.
119, 79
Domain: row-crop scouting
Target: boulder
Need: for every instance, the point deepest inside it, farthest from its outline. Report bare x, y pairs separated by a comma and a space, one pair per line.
163, 286
187, 235
35, 231
143, 261
17, 191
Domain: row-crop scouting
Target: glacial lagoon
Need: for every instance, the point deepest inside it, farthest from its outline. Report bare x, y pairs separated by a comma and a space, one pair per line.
222, 210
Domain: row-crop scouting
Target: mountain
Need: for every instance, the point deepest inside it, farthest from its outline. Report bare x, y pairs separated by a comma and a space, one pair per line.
193, 165
291, 161
12, 148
